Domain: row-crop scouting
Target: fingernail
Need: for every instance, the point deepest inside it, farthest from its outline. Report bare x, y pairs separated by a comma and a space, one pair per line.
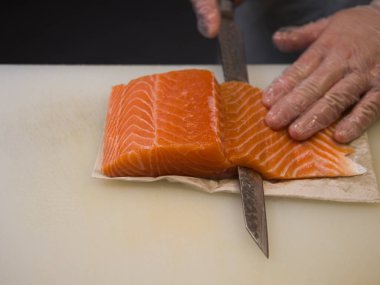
269, 119
286, 30
283, 34
295, 131
268, 96
203, 29
272, 120
346, 135
309, 124
302, 130
340, 136
275, 91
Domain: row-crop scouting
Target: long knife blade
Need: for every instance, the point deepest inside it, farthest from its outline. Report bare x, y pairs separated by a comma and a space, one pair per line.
251, 184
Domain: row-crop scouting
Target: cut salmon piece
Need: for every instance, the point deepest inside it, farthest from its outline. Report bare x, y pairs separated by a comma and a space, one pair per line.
251, 143
185, 123
165, 124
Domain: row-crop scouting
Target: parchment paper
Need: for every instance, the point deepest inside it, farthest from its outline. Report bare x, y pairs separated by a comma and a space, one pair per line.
362, 188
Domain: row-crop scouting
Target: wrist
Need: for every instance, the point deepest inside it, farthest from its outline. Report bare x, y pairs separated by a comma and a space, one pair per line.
375, 4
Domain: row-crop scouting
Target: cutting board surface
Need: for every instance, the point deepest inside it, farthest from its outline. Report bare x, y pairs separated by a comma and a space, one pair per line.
60, 226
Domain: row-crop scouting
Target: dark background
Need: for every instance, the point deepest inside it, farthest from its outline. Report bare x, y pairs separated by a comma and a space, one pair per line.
142, 32
102, 32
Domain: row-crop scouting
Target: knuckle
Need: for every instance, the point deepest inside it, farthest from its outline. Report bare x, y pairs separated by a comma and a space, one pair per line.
306, 94
307, 61
372, 109
285, 82
330, 112
298, 102
347, 92
336, 63
325, 113
316, 51
358, 81
368, 111
341, 99
310, 88
345, 55
293, 72
374, 74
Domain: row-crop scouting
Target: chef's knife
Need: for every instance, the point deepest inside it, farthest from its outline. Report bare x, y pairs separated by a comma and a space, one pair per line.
251, 184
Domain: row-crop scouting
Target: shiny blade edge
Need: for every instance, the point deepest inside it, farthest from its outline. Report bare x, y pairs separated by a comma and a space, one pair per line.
251, 185
252, 192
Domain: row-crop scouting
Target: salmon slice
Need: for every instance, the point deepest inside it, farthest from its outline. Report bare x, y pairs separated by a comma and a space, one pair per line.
165, 124
185, 123
251, 143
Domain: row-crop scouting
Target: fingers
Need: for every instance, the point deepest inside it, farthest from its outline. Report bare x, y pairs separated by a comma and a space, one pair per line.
208, 17
330, 107
361, 117
288, 108
301, 69
296, 38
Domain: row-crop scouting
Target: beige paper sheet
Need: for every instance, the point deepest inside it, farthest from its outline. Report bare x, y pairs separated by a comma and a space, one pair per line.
361, 188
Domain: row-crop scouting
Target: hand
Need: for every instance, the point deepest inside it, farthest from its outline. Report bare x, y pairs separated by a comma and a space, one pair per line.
208, 16
339, 70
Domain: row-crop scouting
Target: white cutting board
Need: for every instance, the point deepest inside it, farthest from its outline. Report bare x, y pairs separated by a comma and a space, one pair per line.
60, 226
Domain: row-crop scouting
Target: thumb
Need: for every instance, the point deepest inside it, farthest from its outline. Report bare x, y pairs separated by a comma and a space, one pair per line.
208, 17
290, 39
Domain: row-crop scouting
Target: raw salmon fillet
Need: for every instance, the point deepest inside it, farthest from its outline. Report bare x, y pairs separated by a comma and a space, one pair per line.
250, 142
185, 123
165, 124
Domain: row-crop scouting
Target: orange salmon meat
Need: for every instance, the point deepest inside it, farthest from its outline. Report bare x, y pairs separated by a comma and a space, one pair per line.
185, 123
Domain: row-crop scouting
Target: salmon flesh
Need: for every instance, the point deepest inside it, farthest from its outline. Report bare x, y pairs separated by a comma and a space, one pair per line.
185, 123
